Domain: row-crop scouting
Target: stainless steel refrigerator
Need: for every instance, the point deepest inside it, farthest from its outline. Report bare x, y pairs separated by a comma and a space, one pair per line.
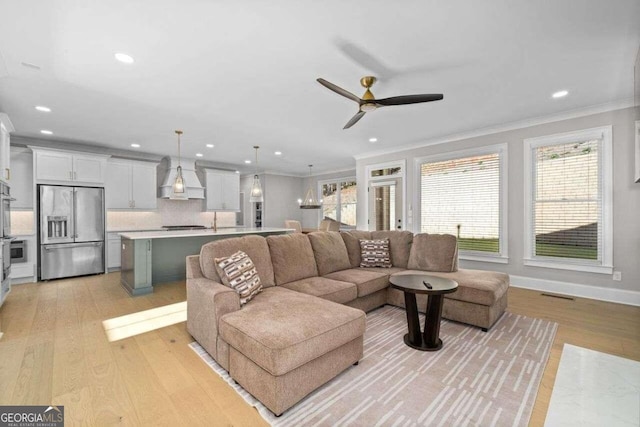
71, 222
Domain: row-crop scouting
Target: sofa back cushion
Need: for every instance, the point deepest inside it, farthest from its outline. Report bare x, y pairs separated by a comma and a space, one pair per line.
352, 242
330, 252
254, 246
292, 257
399, 245
434, 252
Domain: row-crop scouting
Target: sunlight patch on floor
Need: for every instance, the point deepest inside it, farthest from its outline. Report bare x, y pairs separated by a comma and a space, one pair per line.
138, 323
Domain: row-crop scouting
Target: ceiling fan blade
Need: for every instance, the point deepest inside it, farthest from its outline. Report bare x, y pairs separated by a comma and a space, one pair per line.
408, 99
339, 90
354, 119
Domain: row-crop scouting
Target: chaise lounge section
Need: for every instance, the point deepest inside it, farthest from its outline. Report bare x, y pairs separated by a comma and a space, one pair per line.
307, 324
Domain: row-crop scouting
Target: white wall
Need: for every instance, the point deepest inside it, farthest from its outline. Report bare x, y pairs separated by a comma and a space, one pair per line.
281, 194
626, 196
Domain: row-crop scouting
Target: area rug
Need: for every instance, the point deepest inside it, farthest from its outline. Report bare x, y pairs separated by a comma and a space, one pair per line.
478, 378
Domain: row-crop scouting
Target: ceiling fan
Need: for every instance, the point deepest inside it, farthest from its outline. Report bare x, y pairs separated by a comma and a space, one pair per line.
369, 103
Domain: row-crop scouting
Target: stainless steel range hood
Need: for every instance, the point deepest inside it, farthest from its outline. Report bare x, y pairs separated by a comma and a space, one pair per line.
195, 190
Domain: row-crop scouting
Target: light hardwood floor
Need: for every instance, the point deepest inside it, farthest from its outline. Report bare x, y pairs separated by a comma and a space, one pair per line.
54, 350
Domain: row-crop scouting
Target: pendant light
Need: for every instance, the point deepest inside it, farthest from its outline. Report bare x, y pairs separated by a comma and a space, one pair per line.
256, 188
179, 187
310, 201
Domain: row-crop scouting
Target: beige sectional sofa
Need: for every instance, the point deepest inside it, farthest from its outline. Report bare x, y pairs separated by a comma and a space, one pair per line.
307, 324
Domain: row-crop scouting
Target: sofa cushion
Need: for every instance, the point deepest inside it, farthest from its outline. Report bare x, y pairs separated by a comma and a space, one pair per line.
292, 257
385, 270
254, 246
434, 252
330, 252
280, 329
352, 242
375, 253
238, 272
475, 286
399, 245
367, 281
332, 290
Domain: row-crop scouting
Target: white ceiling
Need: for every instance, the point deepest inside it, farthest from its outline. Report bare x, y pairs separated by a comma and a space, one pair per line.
242, 73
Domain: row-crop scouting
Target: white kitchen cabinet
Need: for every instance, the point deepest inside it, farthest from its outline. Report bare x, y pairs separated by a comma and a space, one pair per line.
131, 185
117, 186
21, 178
5, 156
88, 168
69, 167
113, 250
222, 190
144, 186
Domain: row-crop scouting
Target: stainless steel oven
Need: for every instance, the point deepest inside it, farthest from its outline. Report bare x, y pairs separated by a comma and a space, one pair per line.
5, 211
18, 251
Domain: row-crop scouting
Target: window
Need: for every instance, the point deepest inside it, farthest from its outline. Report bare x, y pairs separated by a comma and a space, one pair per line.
463, 194
569, 201
339, 201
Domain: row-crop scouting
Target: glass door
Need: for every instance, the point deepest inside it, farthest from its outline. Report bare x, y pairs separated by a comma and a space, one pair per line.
385, 205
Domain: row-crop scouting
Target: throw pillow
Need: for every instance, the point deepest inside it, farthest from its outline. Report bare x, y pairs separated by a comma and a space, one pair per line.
375, 253
238, 272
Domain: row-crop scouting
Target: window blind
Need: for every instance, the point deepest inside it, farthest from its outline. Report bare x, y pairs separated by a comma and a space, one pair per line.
462, 197
567, 201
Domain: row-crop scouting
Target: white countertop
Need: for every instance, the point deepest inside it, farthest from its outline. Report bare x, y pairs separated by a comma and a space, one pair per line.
201, 233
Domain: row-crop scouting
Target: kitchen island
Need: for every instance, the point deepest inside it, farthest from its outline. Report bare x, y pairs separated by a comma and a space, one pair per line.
152, 257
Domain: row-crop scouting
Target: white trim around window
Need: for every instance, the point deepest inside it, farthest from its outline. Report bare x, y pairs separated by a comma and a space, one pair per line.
605, 264
336, 181
502, 257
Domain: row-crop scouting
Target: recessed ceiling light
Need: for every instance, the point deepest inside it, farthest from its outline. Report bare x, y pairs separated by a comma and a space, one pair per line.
46, 132
135, 145
278, 153
210, 145
560, 94
247, 161
373, 139
237, 171
43, 108
199, 154
123, 57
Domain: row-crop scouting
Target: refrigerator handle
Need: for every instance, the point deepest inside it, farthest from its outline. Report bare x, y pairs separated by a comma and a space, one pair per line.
73, 215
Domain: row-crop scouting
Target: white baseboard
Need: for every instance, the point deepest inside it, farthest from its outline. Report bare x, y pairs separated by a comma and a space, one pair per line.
600, 293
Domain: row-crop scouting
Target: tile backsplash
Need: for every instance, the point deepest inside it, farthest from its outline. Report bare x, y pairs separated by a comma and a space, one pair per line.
169, 212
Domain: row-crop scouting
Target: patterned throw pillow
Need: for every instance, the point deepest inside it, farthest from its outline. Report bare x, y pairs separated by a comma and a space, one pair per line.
375, 253
238, 272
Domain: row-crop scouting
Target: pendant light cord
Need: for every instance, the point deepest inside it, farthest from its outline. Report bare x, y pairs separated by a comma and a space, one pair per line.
256, 148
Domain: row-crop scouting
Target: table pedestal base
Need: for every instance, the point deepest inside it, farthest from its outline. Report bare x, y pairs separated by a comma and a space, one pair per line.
428, 340
422, 346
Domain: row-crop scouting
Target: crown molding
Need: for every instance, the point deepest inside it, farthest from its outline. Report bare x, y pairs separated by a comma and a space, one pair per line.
57, 144
4, 118
520, 124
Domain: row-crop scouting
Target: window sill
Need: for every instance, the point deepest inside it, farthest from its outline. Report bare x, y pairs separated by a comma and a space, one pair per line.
585, 268
498, 259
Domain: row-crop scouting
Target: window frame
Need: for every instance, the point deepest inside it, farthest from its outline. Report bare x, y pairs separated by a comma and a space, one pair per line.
605, 265
337, 181
502, 257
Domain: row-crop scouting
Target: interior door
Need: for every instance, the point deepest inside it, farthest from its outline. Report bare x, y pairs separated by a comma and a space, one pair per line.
89, 212
385, 205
